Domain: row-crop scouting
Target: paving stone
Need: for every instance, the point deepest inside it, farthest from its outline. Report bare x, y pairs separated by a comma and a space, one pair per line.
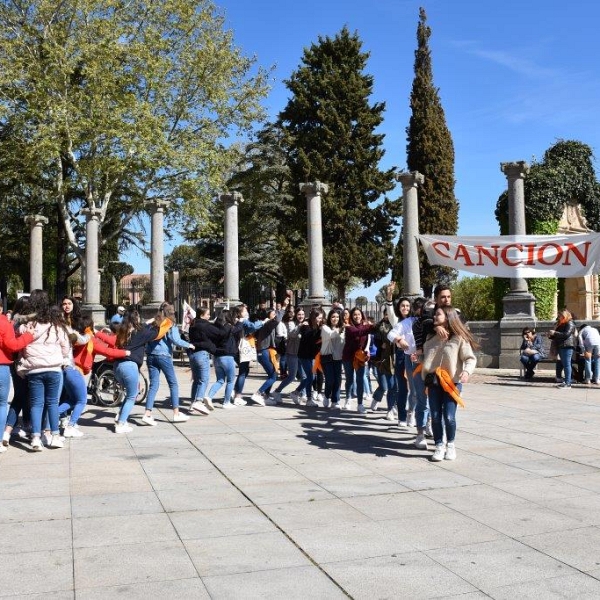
297, 583
35, 509
105, 505
25, 536
182, 589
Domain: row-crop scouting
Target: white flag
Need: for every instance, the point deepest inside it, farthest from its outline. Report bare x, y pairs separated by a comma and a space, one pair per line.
189, 314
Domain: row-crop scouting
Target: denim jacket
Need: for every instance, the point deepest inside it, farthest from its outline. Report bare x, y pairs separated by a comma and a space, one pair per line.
164, 346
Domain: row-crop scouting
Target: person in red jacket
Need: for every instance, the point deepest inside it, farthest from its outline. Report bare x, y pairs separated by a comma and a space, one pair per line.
9, 343
77, 377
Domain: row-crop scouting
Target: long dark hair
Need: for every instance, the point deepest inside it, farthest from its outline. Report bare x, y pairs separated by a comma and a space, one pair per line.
131, 322
456, 327
335, 311
72, 319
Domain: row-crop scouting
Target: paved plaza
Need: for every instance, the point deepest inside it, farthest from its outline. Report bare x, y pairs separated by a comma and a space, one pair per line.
289, 502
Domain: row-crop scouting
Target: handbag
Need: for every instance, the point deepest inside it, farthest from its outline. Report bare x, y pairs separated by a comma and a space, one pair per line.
361, 357
247, 351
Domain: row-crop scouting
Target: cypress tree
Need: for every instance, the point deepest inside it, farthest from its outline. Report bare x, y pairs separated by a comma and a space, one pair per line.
431, 152
331, 127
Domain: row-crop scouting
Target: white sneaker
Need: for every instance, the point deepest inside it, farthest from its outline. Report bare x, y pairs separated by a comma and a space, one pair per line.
228, 405
410, 419
5, 439
64, 423
277, 397
209, 404
401, 423
428, 430
314, 395
180, 418
3, 448
36, 444
123, 428
72, 431
57, 442
374, 405
312, 403
347, 402
198, 408
239, 401
395, 409
149, 420
270, 401
450, 452
421, 442
20, 433
438, 454
327, 402
258, 399
335, 406
361, 409
46, 438
390, 416
295, 396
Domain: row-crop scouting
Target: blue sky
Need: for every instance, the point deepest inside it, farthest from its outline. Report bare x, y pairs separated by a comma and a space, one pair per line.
513, 77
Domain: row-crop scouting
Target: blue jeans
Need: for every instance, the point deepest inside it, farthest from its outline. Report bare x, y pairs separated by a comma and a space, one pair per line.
44, 392
592, 365
75, 394
333, 379
127, 373
225, 370
292, 371
20, 401
243, 370
264, 359
565, 357
356, 375
4, 391
530, 361
306, 384
410, 382
422, 405
387, 383
350, 377
401, 383
442, 407
200, 364
157, 363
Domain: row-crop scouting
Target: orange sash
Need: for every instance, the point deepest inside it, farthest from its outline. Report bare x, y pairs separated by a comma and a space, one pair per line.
449, 386
274, 358
317, 366
164, 328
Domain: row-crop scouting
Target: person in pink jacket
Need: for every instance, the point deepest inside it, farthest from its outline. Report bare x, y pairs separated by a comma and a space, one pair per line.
42, 363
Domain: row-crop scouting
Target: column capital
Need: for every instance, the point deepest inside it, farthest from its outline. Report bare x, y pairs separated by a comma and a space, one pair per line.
314, 188
92, 213
232, 198
515, 170
156, 205
33, 220
410, 179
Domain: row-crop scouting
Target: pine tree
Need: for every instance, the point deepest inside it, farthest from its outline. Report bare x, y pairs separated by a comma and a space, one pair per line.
331, 126
431, 152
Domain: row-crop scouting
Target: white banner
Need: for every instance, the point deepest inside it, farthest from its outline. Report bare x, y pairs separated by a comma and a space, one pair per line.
517, 255
189, 314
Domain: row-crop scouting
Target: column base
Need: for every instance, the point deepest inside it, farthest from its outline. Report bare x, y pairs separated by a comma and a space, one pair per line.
148, 311
96, 311
518, 305
316, 301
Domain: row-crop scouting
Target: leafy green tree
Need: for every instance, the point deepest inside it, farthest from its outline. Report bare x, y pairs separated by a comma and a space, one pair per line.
565, 175
105, 104
430, 151
331, 126
474, 296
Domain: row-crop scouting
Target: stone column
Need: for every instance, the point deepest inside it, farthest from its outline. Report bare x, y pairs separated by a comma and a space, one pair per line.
410, 230
519, 303
232, 270
36, 250
156, 209
91, 298
316, 280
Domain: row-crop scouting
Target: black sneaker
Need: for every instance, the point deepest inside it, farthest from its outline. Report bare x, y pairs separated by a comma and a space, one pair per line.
564, 386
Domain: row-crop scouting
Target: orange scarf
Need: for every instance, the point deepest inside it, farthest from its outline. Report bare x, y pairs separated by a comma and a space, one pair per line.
449, 386
317, 366
274, 358
164, 328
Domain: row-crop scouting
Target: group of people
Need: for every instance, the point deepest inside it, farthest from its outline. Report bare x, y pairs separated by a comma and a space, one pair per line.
419, 356
568, 345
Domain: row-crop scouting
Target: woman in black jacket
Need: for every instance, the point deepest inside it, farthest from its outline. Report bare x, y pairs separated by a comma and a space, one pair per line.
564, 336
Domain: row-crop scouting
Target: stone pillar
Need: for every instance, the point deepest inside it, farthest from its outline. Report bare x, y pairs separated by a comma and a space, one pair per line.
316, 280
91, 298
156, 209
36, 250
410, 230
232, 270
519, 303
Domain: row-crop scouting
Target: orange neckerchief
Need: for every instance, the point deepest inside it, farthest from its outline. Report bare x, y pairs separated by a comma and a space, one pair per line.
563, 320
164, 328
417, 369
449, 386
274, 358
90, 345
317, 366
